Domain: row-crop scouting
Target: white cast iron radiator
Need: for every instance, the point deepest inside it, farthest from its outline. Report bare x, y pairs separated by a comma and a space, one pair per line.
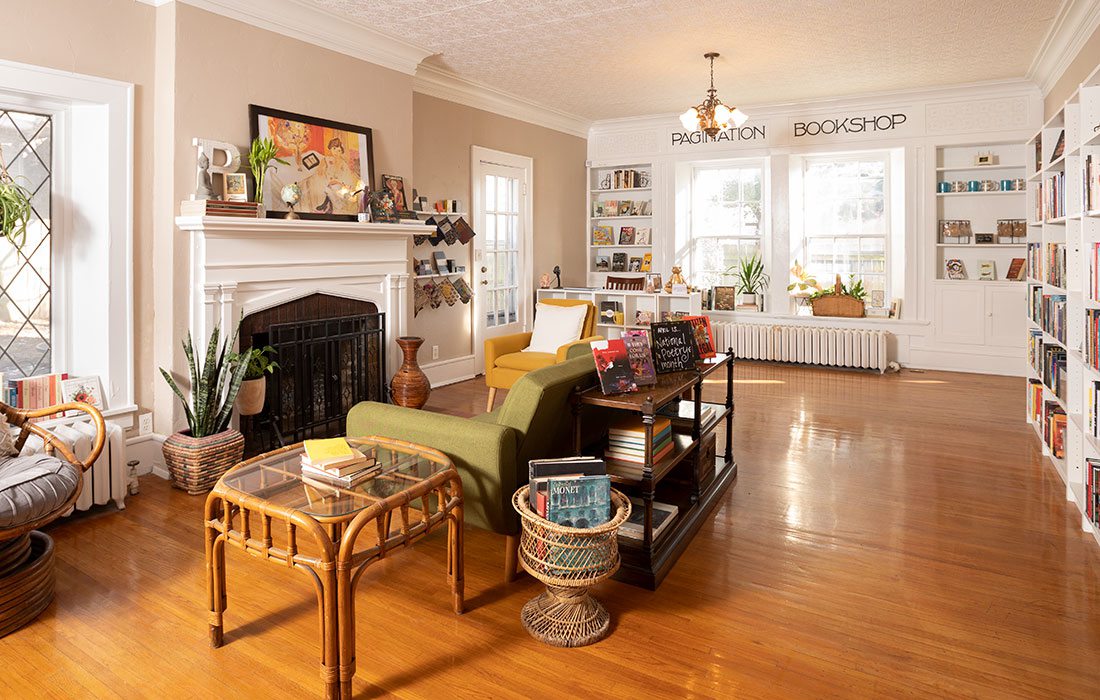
814, 345
107, 479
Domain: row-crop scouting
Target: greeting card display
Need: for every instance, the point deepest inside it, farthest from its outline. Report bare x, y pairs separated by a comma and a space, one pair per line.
673, 344
613, 367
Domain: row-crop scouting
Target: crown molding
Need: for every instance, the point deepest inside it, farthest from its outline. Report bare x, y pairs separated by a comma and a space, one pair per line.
1072, 26
327, 30
437, 82
966, 91
155, 3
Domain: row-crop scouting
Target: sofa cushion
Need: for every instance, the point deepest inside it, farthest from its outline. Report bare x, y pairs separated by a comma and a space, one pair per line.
556, 326
526, 361
32, 486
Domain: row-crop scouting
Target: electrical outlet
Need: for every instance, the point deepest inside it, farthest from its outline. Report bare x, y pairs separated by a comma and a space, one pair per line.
145, 423
435, 352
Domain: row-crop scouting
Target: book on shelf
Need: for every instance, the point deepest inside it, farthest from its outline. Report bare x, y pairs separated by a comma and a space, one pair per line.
987, 270
613, 367
618, 262
664, 514
643, 318
639, 356
1059, 147
1092, 486
1054, 428
704, 337
40, 391
1016, 270
1091, 183
219, 207
540, 470
647, 262
603, 235
635, 264
626, 208
1034, 399
578, 501
603, 263
684, 412
626, 235
626, 440
955, 269
611, 312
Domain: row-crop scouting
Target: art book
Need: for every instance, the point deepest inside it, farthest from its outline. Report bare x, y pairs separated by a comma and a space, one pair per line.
647, 262
613, 367
539, 470
635, 264
618, 262
625, 207
955, 269
1016, 269
704, 337
626, 235
644, 236
579, 501
640, 357
603, 235
86, 390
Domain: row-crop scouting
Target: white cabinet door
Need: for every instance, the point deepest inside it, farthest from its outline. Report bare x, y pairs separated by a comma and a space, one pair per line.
1005, 310
960, 314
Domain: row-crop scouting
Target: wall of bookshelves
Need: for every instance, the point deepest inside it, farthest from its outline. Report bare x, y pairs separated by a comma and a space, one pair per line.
1063, 280
620, 210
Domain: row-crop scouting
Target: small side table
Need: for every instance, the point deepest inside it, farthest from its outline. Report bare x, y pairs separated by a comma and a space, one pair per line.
265, 507
569, 561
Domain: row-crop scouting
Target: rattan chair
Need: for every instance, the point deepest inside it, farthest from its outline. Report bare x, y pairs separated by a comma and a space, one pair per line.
36, 490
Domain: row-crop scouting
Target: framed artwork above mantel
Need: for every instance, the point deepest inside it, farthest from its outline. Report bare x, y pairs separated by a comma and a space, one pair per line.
331, 162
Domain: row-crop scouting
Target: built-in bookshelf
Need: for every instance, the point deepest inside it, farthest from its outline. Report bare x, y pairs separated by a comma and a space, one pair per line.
620, 221
981, 225
625, 310
1063, 281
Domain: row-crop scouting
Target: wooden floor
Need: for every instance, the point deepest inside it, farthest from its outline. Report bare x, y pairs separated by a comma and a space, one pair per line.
887, 536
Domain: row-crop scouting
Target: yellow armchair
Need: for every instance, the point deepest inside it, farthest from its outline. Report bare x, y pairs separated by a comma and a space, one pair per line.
505, 361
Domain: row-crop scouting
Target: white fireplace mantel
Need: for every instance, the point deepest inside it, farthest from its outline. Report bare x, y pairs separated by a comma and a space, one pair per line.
240, 266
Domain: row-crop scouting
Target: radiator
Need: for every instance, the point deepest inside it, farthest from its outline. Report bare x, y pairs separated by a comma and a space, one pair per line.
108, 479
814, 345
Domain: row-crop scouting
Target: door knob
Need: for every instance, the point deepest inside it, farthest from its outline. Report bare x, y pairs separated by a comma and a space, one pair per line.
484, 269
485, 281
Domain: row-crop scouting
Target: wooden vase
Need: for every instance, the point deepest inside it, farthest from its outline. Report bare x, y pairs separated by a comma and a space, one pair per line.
410, 386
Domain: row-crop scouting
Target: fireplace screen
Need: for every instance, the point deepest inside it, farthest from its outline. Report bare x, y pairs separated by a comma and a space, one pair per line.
326, 366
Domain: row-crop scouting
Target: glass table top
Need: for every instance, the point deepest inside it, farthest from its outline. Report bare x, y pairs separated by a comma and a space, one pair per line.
278, 480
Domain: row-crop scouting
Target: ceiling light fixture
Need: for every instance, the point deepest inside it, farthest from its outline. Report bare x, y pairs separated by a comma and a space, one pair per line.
712, 116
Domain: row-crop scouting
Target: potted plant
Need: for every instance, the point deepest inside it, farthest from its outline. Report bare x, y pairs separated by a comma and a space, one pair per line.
15, 208
260, 156
250, 399
844, 300
198, 456
803, 286
751, 280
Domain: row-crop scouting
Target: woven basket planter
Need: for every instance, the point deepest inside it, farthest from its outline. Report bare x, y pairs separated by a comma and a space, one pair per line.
196, 464
569, 561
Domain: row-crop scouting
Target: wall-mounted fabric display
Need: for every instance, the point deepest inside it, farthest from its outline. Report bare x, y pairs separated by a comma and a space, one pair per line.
463, 289
420, 298
448, 291
435, 297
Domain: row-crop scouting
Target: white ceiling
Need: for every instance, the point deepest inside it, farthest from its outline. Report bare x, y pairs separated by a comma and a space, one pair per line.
601, 59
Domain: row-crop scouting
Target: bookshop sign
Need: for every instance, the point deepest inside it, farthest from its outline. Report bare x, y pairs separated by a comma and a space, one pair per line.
749, 133
810, 128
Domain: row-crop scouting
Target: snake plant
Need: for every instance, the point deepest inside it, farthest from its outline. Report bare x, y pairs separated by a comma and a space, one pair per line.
214, 385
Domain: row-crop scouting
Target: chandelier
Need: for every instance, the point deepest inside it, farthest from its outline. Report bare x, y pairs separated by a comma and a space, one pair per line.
711, 115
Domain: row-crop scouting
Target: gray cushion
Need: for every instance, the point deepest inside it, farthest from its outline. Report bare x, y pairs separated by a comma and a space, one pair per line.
32, 486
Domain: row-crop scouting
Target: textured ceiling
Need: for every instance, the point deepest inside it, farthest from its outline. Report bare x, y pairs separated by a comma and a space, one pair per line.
601, 59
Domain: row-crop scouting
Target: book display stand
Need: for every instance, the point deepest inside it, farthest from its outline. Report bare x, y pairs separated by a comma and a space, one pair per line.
692, 476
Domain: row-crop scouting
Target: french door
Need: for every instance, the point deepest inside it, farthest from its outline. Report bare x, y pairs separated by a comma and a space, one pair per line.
502, 249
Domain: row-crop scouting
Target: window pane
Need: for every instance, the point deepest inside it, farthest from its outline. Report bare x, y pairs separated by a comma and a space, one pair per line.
726, 220
490, 193
25, 340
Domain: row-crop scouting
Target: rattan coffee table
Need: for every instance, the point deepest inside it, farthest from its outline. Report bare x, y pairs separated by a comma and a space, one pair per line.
265, 507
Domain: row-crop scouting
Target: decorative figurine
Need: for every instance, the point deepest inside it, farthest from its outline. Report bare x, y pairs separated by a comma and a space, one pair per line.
544, 281
675, 278
206, 168
557, 277
290, 194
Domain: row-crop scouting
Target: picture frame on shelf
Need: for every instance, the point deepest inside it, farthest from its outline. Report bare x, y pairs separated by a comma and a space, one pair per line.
235, 187
987, 270
382, 209
955, 269
87, 390
395, 185
725, 298
330, 161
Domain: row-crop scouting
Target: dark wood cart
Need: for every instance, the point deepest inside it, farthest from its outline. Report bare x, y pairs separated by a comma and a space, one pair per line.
693, 477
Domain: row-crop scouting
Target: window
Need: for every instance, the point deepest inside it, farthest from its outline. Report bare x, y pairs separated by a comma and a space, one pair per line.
26, 142
845, 220
501, 250
727, 212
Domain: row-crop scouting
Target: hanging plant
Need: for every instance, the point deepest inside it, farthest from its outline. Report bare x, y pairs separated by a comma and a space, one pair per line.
15, 208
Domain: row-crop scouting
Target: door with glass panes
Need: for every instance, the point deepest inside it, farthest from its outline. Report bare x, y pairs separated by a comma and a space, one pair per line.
500, 201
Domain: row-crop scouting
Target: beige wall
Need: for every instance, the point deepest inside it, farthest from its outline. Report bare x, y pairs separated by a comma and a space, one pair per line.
74, 36
443, 133
1082, 66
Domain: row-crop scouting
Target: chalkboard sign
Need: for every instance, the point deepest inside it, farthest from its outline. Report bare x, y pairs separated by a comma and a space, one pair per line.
674, 348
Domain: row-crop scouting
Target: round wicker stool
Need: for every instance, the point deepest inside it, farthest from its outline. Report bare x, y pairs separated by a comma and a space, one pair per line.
26, 581
569, 561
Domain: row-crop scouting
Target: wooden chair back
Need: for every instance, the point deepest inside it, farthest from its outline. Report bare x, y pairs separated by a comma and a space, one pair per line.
626, 284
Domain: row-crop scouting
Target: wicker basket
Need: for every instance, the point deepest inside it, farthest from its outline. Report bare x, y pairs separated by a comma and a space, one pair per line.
196, 464
569, 561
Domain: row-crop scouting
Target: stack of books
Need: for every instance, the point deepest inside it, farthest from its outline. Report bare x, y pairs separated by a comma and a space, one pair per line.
219, 207
333, 462
634, 528
626, 440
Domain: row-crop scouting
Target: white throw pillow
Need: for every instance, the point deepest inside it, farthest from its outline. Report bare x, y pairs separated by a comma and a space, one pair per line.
556, 326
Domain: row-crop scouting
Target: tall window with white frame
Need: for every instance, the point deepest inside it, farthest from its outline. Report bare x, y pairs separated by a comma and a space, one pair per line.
727, 214
26, 143
846, 220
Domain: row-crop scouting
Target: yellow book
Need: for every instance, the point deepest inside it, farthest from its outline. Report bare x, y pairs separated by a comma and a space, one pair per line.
331, 449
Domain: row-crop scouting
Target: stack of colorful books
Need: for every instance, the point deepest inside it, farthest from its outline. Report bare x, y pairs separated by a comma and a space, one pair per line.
335, 463
626, 440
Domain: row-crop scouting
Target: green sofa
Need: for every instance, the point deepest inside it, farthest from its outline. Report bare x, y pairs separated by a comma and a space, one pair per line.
491, 451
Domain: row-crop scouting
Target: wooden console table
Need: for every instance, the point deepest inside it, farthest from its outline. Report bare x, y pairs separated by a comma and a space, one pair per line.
316, 528
690, 477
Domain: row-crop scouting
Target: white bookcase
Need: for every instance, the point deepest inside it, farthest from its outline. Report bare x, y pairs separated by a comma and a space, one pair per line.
1076, 231
630, 303
603, 188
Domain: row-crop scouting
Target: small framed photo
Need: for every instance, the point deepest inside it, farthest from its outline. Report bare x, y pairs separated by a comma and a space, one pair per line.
236, 187
87, 390
725, 298
395, 185
983, 238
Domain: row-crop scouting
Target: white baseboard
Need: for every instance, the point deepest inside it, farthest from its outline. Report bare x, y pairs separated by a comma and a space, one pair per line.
147, 450
452, 371
1011, 366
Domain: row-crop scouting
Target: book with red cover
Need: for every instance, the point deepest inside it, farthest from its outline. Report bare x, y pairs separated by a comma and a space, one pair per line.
613, 367
640, 357
704, 337
1016, 269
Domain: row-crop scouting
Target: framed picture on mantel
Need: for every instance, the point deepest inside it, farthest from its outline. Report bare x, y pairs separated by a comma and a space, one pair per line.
330, 162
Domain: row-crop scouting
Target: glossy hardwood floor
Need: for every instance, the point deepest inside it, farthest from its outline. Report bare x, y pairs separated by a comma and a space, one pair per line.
887, 536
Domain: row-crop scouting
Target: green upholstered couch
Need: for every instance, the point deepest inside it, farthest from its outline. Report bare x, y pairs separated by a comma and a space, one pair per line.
491, 451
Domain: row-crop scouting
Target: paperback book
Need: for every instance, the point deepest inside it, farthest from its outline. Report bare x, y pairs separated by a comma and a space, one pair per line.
664, 514
704, 337
639, 356
613, 367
